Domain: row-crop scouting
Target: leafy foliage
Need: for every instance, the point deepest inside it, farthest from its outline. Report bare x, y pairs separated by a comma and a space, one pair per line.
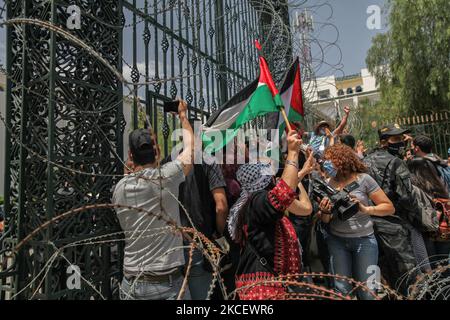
369, 115
411, 62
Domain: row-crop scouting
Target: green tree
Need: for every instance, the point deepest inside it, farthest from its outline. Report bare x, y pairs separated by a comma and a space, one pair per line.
371, 115
411, 62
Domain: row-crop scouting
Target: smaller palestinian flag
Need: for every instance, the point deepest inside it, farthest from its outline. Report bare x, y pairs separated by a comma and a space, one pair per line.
257, 99
291, 94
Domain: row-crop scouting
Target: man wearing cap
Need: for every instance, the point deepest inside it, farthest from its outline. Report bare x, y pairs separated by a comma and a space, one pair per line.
322, 137
395, 234
153, 257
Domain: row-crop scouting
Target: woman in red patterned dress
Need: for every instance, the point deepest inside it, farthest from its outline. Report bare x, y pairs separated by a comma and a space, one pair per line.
270, 247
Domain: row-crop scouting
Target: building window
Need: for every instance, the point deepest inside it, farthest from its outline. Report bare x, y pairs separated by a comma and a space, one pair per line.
349, 91
341, 92
359, 89
324, 94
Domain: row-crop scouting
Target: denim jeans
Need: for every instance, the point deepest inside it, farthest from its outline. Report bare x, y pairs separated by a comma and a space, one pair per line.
352, 257
145, 290
199, 279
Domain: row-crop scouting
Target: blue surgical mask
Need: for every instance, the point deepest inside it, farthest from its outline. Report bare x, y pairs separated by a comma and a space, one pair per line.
322, 132
329, 168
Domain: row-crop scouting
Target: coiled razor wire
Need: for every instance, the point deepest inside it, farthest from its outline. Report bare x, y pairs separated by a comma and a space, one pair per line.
432, 285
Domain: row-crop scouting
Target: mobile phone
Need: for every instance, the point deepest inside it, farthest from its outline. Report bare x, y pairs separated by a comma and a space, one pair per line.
171, 106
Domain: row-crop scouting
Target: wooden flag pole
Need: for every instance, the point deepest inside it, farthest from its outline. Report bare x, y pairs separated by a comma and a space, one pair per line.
288, 124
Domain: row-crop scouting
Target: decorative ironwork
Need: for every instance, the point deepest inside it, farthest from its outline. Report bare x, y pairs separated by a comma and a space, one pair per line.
66, 107
63, 105
165, 44
147, 36
173, 90
135, 75
180, 53
189, 97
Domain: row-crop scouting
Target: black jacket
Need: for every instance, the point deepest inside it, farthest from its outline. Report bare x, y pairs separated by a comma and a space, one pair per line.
392, 175
393, 233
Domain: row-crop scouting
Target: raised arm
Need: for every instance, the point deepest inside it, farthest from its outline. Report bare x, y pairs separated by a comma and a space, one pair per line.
282, 196
343, 123
186, 157
303, 206
290, 173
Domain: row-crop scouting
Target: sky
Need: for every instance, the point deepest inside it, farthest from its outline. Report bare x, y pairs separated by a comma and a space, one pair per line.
354, 38
349, 17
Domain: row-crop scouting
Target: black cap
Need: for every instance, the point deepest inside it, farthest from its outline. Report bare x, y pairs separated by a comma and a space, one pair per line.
141, 146
391, 130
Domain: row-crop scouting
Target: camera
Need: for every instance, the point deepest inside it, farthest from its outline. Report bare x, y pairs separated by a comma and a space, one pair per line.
343, 206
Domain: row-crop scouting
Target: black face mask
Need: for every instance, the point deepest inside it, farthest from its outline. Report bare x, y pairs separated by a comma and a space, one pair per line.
397, 149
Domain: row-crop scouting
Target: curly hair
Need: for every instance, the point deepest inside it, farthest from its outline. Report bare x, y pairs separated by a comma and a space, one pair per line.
345, 159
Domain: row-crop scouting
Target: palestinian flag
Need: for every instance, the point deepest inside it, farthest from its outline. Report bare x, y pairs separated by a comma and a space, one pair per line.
291, 95
257, 99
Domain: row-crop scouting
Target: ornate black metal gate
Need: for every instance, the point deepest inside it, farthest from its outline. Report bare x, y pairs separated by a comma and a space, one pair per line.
64, 115
65, 122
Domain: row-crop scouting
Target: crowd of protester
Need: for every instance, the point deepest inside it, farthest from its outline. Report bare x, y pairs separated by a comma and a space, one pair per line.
390, 215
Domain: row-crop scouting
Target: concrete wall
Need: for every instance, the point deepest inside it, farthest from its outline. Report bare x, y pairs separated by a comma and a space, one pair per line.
369, 82
325, 83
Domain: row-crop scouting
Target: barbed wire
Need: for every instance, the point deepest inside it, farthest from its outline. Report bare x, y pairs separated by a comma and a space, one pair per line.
431, 284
